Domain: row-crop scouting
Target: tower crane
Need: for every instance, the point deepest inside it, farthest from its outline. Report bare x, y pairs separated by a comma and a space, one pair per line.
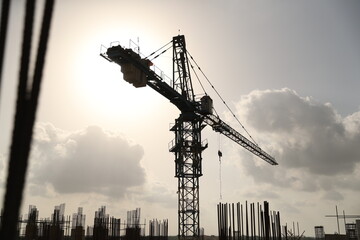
187, 145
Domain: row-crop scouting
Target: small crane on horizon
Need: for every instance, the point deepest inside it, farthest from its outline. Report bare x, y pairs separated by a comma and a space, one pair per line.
195, 115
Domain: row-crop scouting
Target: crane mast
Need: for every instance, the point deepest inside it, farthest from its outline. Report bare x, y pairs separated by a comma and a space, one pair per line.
187, 145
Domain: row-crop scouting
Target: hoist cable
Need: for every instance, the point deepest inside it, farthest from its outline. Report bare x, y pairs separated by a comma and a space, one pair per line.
158, 49
227, 106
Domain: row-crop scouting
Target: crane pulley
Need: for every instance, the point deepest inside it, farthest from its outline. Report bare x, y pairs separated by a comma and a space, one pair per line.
195, 115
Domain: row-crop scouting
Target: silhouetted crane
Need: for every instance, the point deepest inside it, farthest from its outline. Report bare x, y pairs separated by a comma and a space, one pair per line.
195, 115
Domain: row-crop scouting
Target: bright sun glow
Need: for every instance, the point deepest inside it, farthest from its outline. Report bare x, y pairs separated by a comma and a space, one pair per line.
105, 91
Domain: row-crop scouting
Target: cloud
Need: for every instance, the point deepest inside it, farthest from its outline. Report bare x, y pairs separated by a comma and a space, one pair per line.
315, 146
261, 193
91, 160
159, 193
333, 195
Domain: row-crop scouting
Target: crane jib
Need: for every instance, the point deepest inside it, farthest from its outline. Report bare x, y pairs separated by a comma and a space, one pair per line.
137, 72
218, 125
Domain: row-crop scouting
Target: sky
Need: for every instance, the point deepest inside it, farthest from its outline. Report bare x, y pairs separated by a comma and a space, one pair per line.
289, 70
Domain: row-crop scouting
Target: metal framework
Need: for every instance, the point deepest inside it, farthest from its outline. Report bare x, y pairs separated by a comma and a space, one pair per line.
195, 115
187, 148
181, 70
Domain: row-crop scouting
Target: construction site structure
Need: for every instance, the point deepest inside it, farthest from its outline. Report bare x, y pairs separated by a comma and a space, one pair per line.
61, 227
158, 230
78, 225
351, 229
319, 233
195, 114
253, 221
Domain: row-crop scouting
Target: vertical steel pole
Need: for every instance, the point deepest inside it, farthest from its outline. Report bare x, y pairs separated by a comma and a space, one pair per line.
238, 220
266, 219
247, 222
242, 223
233, 217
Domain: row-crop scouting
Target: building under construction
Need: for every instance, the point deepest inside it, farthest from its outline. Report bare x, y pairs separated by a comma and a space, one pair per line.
352, 232
61, 227
252, 222
352, 228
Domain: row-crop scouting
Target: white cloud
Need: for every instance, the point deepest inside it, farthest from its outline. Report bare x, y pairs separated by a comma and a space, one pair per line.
90, 160
316, 148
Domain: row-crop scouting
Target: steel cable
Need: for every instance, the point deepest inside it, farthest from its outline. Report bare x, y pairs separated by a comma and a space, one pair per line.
227, 106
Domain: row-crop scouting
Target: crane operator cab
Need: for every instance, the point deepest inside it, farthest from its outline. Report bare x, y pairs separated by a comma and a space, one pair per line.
206, 106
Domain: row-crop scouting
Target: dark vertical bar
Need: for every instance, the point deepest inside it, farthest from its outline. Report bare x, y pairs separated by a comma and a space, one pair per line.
218, 216
266, 219
24, 118
226, 220
19, 156
40, 60
258, 219
221, 219
238, 220
254, 222
5, 8
247, 222
337, 219
233, 217
298, 226
230, 221
279, 225
251, 221
262, 223
242, 223
273, 228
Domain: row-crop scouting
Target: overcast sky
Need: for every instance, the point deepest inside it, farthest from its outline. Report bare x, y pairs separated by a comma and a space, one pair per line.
288, 69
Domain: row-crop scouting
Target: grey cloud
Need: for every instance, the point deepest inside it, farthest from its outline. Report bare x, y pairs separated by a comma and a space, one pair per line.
91, 160
333, 195
261, 194
309, 139
160, 194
